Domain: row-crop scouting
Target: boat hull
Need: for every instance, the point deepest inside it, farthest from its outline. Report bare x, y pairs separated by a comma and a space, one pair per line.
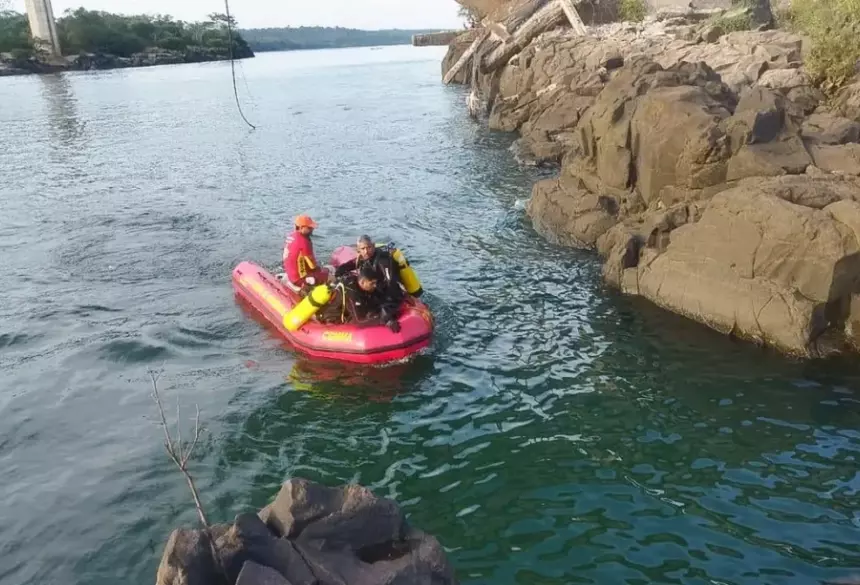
373, 344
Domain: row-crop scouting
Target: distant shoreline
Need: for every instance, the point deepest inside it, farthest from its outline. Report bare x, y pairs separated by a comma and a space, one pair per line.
316, 37
106, 62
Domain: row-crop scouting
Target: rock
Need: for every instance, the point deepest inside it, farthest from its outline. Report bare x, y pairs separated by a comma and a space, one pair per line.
621, 249
418, 558
567, 214
784, 79
349, 517
249, 539
816, 192
254, 574
852, 323
827, 128
311, 535
795, 85
678, 140
7, 70
781, 157
844, 158
651, 128
712, 33
300, 502
847, 101
758, 267
806, 97
761, 116
187, 560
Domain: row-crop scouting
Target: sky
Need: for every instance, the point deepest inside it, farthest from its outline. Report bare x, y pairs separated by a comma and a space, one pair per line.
365, 14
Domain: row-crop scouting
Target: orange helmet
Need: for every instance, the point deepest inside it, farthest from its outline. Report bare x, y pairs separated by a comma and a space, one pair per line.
305, 221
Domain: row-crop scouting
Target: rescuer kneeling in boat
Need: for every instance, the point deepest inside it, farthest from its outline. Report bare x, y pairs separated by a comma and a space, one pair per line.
387, 270
300, 264
357, 299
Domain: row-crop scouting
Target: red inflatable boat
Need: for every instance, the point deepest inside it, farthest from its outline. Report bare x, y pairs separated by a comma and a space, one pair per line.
375, 344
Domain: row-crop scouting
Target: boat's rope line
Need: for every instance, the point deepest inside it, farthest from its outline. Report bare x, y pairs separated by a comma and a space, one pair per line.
233, 64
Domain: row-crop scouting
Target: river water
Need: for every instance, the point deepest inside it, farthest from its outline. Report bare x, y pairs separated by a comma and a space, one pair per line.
555, 433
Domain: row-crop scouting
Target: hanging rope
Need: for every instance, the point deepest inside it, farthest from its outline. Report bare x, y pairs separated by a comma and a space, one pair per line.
233, 63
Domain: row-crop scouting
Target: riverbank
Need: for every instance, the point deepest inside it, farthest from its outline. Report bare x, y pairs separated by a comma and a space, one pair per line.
710, 174
10, 66
92, 39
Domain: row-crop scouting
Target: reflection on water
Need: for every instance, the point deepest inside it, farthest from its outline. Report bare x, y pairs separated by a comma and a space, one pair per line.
61, 111
333, 381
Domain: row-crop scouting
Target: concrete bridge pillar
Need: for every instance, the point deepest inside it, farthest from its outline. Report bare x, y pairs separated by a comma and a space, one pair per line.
43, 27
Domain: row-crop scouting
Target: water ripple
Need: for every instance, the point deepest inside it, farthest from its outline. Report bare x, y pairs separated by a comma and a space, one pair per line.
556, 432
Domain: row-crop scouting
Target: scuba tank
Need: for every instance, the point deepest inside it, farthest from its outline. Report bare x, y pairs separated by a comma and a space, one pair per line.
407, 273
300, 314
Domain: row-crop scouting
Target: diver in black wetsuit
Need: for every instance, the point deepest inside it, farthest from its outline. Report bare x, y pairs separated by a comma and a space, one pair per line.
388, 272
356, 299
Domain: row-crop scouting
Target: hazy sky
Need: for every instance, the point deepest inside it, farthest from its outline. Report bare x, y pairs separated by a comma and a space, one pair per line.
368, 14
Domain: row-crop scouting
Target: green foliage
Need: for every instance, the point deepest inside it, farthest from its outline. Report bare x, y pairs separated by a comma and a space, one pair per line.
318, 37
632, 10
833, 26
14, 33
733, 21
93, 31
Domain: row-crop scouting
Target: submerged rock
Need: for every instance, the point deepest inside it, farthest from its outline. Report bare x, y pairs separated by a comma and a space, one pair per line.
310, 535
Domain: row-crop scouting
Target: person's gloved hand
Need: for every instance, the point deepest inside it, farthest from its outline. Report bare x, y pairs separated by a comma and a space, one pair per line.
310, 280
394, 325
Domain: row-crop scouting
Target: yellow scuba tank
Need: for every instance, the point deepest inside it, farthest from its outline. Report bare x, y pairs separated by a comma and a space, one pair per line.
407, 273
307, 308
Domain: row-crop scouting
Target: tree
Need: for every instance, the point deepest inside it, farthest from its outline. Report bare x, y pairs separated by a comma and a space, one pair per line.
471, 17
14, 32
222, 19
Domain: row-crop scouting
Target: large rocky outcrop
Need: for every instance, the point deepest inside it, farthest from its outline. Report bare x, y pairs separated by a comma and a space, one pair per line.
703, 167
545, 89
310, 535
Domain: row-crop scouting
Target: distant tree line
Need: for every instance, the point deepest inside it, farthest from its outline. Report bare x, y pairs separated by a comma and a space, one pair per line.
93, 31
319, 37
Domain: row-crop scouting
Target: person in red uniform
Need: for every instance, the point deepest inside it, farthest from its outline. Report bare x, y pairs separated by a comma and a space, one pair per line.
300, 264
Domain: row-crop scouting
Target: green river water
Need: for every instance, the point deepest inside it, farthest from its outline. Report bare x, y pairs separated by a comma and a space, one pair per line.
556, 432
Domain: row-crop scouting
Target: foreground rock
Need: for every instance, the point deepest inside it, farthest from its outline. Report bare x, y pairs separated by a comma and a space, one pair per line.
703, 167
310, 535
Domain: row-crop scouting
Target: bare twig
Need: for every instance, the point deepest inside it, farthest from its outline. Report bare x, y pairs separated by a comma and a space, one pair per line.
175, 452
196, 437
178, 428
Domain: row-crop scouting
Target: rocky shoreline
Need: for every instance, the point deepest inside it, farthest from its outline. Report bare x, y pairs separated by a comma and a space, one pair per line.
9, 65
309, 535
704, 167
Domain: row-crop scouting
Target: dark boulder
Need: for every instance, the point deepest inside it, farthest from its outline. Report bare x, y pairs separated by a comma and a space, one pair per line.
254, 574
311, 535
